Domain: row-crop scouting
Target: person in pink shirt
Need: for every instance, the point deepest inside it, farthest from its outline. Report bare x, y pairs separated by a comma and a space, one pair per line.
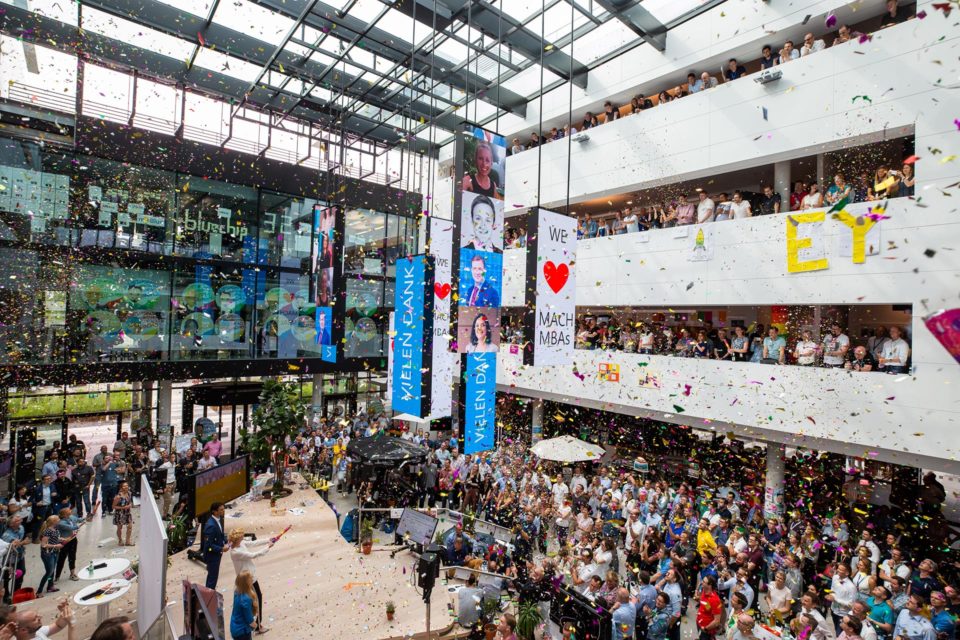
686, 212
215, 447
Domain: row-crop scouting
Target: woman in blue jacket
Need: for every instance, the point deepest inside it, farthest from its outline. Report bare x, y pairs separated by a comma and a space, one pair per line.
244, 616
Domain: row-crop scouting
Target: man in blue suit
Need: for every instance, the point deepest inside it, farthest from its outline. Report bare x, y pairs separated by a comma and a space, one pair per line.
481, 293
214, 543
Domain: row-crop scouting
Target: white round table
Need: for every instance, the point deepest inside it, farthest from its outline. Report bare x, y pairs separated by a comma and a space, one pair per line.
114, 566
115, 588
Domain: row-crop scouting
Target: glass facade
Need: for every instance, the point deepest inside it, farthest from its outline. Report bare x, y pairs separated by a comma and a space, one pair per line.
172, 267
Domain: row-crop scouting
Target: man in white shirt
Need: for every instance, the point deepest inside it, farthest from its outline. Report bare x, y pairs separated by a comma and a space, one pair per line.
843, 593
895, 565
578, 479
705, 209
808, 605
895, 353
169, 471
206, 462
866, 540
635, 527
560, 491
30, 625
155, 454
861, 612
739, 208
811, 45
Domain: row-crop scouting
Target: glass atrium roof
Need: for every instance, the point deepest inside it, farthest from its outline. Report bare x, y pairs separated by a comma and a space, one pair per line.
387, 70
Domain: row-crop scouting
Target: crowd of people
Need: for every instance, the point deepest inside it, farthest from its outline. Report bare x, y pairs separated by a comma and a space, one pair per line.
886, 350
698, 82
644, 550
807, 195
73, 490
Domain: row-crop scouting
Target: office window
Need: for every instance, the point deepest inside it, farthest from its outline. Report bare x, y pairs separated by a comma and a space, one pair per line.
216, 220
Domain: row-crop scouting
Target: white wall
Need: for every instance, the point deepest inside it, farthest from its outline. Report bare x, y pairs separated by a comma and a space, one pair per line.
813, 108
850, 413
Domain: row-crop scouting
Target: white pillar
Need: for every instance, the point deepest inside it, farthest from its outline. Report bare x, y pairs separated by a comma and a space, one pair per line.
773, 497
821, 172
781, 183
316, 400
536, 421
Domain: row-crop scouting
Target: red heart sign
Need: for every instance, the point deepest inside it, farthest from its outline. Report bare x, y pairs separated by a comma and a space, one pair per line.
556, 275
442, 290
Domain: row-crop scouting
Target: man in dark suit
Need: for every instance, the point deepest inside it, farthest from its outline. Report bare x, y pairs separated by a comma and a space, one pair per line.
482, 293
214, 543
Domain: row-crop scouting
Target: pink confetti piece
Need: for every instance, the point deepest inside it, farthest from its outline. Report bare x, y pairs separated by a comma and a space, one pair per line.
831, 21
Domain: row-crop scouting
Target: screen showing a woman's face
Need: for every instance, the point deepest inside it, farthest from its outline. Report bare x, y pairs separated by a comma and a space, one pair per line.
480, 330
484, 158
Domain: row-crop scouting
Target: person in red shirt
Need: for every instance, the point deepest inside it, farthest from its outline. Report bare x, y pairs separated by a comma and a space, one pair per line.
710, 612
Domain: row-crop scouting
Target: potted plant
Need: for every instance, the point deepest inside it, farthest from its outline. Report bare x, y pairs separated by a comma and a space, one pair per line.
491, 607
280, 415
366, 536
528, 619
176, 534
390, 609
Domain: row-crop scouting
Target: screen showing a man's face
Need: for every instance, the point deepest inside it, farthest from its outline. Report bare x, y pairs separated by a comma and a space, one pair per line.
478, 269
483, 220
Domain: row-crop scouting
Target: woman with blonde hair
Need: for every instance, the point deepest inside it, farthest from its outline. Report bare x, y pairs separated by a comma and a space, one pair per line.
242, 554
243, 617
50, 545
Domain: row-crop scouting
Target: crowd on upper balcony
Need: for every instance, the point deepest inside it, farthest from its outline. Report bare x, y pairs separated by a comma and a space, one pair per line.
884, 183
896, 12
885, 351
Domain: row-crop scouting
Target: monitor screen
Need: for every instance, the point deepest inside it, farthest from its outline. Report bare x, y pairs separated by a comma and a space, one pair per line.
223, 483
416, 526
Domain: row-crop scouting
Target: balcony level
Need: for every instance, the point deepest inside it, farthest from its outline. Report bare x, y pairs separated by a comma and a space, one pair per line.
843, 96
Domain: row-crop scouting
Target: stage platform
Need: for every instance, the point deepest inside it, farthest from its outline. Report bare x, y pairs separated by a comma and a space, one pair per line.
315, 584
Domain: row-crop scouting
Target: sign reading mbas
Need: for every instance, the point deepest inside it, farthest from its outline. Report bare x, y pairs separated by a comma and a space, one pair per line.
551, 288
413, 343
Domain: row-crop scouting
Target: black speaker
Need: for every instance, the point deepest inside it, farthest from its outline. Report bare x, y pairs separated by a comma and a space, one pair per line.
428, 570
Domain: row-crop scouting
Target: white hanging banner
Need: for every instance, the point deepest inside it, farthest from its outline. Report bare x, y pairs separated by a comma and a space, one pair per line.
551, 288
444, 361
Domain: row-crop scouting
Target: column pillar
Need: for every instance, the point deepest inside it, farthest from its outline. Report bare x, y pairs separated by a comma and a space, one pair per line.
536, 421
148, 401
781, 183
164, 402
316, 400
136, 389
821, 171
773, 490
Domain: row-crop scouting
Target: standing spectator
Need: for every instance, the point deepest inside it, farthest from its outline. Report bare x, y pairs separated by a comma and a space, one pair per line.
618, 226
774, 347
734, 70
534, 140
843, 593
811, 45
167, 479
907, 182
215, 447
643, 103
664, 97
97, 464
110, 478
693, 85
630, 221
813, 199
876, 341
592, 227
739, 208
845, 34
15, 535
50, 545
885, 183
835, 346
609, 112
911, 624
861, 361
861, 190
83, 479
806, 350
589, 121
796, 196
705, 208
214, 544
767, 60
895, 353
788, 53
740, 345
723, 210
893, 14
624, 616
771, 201
943, 621
69, 526
686, 212
206, 462
243, 619
517, 147
45, 496
122, 516
837, 191
703, 347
